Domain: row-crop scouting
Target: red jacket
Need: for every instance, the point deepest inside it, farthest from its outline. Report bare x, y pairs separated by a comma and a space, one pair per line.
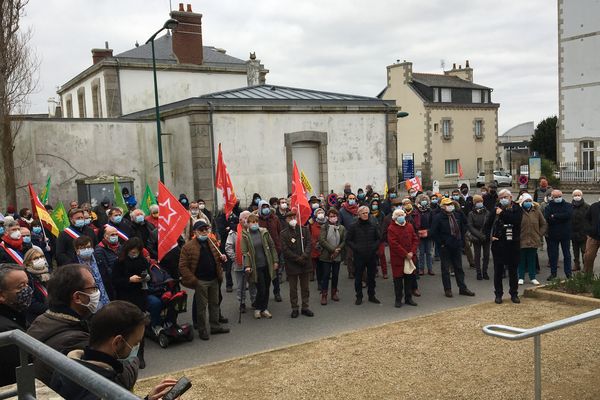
271, 223
402, 240
315, 232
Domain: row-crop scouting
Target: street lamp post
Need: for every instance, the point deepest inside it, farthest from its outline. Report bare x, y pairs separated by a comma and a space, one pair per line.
170, 24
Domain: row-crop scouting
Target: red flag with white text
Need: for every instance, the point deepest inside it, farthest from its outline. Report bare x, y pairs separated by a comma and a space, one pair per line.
414, 183
172, 219
460, 171
298, 202
223, 182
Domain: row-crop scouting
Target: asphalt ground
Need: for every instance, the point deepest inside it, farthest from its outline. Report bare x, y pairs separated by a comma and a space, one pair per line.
252, 336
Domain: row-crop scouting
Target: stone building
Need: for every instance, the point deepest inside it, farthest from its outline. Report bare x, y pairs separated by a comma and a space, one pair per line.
578, 136
452, 122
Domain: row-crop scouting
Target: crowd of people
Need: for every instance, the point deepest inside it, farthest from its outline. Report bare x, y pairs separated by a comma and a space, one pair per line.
85, 292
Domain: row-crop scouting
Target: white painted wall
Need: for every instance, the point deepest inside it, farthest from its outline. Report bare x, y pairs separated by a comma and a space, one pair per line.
254, 149
580, 17
87, 85
581, 66
137, 86
70, 150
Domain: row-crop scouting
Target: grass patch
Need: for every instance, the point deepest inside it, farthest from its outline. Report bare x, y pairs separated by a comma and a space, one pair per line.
579, 283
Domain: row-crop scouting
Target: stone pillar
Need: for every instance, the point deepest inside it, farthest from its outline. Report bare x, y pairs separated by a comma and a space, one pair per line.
391, 138
253, 70
488, 166
202, 159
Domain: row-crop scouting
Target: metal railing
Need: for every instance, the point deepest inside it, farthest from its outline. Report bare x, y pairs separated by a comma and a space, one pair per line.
512, 333
578, 172
76, 372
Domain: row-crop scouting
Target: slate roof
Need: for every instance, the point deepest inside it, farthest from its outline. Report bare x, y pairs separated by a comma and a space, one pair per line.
445, 81
273, 92
163, 49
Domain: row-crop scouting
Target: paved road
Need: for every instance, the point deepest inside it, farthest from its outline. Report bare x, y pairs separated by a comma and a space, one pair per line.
253, 336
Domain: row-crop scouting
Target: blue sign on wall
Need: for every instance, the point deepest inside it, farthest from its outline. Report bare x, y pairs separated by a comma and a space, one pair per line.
408, 166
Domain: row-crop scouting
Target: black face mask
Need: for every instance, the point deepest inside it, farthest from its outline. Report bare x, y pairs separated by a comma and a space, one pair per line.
347, 191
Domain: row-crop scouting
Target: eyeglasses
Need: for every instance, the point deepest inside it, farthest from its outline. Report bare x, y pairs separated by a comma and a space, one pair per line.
95, 287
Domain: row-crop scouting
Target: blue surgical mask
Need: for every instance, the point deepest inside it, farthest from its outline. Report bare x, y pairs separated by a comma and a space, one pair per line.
455, 197
527, 205
401, 220
257, 200
361, 196
265, 211
424, 203
254, 227
113, 239
558, 200
479, 205
504, 202
36, 229
352, 202
86, 254
434, 201
1, 230
450, 208
393, 195
203, 238
139, 219
26, 239
117, 219
375, 207
132, 354
87, 221
79, 223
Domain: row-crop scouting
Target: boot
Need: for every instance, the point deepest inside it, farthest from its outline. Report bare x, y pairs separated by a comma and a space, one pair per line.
479, 275
485, 275
334, 295
398, 292
323, 297
577, 266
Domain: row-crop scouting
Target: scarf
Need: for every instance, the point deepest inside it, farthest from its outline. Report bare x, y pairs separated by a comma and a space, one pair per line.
333, 237
351, 209
375, 213
14, 244
454, 228
239, 259
114, 247
41, 273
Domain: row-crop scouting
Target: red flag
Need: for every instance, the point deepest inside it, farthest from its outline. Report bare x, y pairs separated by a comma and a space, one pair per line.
298, 200
460, 171
39, 211
239, 259
414, 183
172, 219
223, 182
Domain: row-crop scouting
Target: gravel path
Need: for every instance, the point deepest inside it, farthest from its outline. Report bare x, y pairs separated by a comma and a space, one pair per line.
438, 356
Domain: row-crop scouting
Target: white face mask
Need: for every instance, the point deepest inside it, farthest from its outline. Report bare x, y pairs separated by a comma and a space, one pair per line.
92, 305
450, 208
16, 235
577, 198
40, 263
202, 206
293, 223
283, 206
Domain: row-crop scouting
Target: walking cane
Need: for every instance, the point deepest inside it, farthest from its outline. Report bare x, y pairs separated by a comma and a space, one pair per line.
242, 295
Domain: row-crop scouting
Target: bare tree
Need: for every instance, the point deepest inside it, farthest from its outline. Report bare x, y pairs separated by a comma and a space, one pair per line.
18, 79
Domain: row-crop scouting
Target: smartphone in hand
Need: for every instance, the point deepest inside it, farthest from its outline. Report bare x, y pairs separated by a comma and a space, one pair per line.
182, 386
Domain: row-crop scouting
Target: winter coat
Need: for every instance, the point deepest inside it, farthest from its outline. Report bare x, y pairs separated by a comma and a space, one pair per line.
6, 258
124, 227
249, 256
540, 194
123, 374
477, 225
63, 330
107, 259
593, 218
296, 261
315, 233
579, 221
230, 250
402, 240
384, 227
533, 228
272, 224
558, 216
511, 215
440, 230
489, 201
326, 248
9, 320
142, 231
65, 251
347, 218
39, 300
363, 238
126, 290
189, 259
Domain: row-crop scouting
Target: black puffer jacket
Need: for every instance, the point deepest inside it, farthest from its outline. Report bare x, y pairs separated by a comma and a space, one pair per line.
9, 320
579, 222
440, 230
363, 238
478, 225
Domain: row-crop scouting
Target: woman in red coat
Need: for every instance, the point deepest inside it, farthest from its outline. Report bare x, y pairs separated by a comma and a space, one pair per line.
403, 242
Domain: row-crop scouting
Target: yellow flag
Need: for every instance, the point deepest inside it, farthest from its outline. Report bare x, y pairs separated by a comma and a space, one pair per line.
385, 191
305, 182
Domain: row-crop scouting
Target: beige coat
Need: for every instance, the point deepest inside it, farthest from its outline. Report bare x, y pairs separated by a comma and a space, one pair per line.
533, 228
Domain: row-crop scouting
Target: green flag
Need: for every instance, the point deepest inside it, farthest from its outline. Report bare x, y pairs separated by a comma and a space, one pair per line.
147, 200
60, 217
119, 200
45, 192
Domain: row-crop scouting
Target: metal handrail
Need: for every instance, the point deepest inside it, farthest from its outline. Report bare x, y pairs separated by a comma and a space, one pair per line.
513, 333
76, 372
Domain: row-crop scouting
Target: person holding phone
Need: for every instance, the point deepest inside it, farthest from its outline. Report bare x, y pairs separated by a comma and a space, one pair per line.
116, 332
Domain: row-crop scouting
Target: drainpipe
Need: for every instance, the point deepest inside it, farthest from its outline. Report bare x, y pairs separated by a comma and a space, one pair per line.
211, 136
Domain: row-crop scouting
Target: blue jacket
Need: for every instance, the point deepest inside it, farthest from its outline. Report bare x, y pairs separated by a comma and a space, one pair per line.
558, 216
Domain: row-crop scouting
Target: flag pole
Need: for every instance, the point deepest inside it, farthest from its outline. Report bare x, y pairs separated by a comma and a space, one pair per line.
301, 237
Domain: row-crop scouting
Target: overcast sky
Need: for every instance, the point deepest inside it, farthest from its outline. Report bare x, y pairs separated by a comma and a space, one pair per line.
334, 45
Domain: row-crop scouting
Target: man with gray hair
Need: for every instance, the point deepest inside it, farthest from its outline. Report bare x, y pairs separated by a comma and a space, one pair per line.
558, 214
234, 254
579, 228
12, 246
15, 298
506, 244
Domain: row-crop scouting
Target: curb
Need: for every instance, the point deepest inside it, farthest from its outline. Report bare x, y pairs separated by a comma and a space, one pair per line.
542, 293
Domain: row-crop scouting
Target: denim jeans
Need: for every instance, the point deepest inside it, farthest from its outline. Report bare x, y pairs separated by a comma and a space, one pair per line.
154, 305
565, 245
333, 269
425, 257
241, 291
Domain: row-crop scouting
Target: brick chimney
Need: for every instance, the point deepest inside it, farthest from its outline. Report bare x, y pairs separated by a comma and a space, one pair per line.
460, 72
187, 37
100, 54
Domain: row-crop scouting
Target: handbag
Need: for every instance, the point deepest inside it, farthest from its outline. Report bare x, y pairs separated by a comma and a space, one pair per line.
409, 266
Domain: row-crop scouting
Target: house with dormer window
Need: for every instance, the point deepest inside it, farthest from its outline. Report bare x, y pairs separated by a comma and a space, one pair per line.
452, 122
